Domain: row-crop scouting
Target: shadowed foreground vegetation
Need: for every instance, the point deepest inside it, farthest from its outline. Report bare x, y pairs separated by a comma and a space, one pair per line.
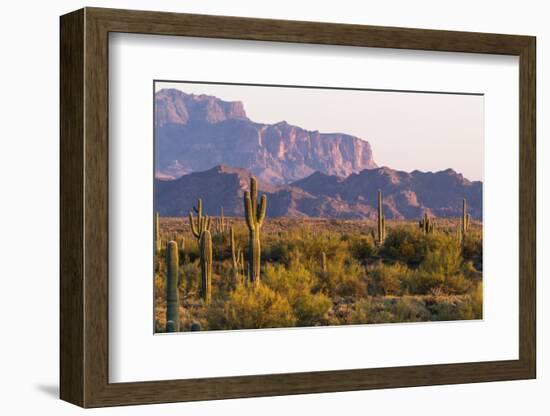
323, 272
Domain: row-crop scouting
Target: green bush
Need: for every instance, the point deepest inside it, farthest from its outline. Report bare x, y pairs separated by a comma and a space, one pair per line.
387, 279
410, 309
296, 284
411, 277
405, 245
472, 249
345, 277
249, 308
363, 248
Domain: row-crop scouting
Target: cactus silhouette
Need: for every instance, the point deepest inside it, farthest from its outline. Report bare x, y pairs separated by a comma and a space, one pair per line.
203, 222
381, 221
205, 246
237, 257
172, 298
221, 225
465, 220
157, 233
254, 215
426, 225
199, 229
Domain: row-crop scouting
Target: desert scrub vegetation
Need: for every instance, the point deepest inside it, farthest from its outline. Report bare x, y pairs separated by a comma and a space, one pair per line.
411, 277
255, 272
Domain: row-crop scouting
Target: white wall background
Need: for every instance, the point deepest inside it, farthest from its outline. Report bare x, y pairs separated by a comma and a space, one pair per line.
29, 208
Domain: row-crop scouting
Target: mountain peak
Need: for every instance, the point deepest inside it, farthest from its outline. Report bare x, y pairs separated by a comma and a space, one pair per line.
173, 106
202, 131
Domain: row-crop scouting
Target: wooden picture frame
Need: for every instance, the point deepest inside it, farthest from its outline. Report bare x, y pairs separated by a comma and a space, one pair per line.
84, 207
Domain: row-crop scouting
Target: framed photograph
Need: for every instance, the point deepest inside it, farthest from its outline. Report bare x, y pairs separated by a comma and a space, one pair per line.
256, 207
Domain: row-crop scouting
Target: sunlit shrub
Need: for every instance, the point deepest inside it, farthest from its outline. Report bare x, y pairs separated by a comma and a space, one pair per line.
387, 279
296, 284
251, 307
406, 245
344, 277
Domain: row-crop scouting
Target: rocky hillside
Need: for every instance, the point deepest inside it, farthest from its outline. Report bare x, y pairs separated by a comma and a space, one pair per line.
406, 195
194, 133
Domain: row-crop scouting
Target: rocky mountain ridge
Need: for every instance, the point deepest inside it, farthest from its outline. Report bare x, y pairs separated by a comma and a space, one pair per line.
406, 195
194, 133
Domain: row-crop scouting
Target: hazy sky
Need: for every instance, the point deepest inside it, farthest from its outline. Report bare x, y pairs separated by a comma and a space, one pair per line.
406, 130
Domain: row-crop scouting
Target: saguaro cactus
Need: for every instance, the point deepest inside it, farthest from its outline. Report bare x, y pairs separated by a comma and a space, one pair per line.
203, 222
221, 224
254, 215
381, 221
465, 219
237, 257
426, 225
206, 266
157, 233
172, 298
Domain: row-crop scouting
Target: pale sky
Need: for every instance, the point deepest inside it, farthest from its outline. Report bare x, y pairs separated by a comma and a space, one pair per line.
406, 130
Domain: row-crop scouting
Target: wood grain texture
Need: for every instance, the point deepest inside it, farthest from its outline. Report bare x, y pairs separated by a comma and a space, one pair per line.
71, 100
84, 207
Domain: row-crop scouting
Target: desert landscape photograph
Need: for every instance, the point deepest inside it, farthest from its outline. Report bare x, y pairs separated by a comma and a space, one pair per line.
279, 207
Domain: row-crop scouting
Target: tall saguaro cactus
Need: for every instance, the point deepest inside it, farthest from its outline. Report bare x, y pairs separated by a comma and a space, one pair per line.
172, 298
465, 220
157, 233
381, 220
203, 222
237, 257
205, 245
254, 215
222, 223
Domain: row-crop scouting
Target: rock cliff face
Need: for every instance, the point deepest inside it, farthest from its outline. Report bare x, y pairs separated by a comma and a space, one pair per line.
174, 107
406, 195
197, 132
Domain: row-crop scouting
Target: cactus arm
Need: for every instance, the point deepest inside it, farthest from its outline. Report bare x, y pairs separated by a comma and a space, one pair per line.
232, 241
207, 223
198, 208
193, 227
262, 210
253, 198
248, 210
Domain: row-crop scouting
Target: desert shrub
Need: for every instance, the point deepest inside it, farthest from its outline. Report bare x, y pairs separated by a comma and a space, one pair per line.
370, 311
443, 258
160, 287
406, 245
189, 278
301, 244
421, 282
472, 249
443, 309
472, 307
362, 247
441, 268
296, 285
251, 307
345, 277
410, 309
387, 279
361, 312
